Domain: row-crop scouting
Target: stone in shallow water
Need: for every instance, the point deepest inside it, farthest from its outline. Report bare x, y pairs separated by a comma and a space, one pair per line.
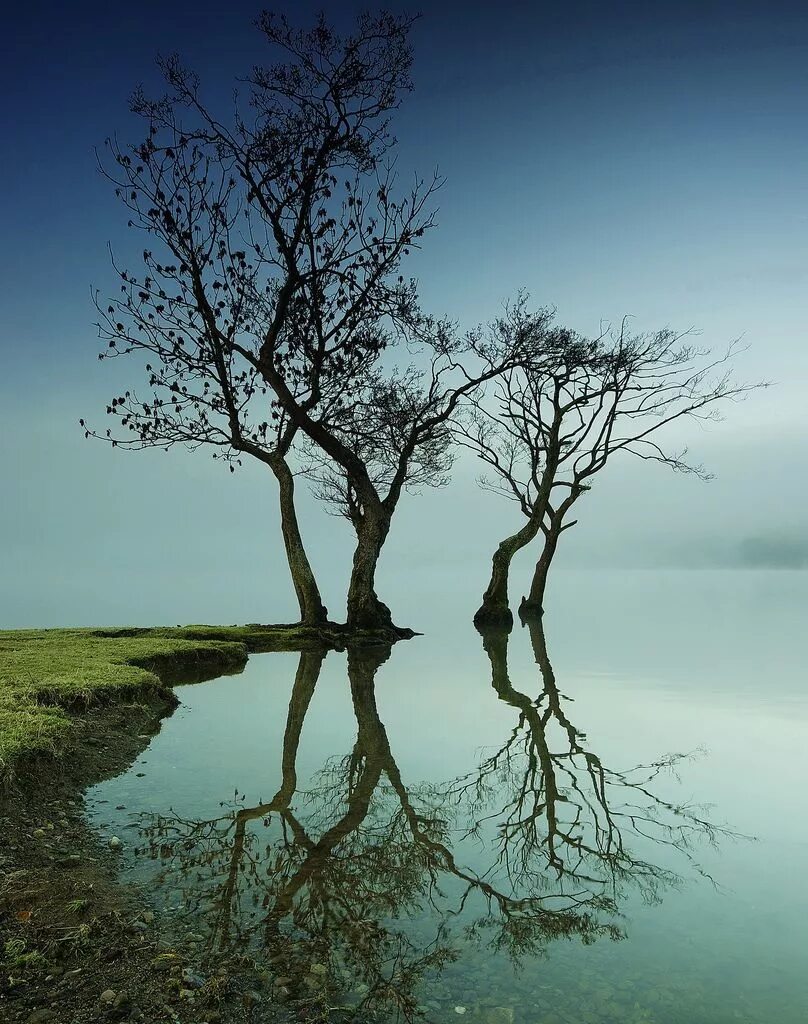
191, 979
498, 1015
41, 1016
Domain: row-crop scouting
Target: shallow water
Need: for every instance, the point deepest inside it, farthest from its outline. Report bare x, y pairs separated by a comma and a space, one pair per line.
554, 826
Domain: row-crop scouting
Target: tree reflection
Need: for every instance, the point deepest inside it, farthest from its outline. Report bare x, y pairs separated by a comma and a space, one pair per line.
377, 881
563, 819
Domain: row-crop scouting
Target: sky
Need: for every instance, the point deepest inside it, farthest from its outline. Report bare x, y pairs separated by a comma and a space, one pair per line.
636, 159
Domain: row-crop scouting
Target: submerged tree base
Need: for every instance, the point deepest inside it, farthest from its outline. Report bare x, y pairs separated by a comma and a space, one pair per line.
489, 616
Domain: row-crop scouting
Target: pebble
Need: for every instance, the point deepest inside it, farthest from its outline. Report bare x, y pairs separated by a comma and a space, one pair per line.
147, 916
114, 843
460, 1009
109, 996
41, 1016
191, 979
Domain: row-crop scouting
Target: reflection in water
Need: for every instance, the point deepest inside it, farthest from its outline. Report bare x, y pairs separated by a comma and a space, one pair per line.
380, 883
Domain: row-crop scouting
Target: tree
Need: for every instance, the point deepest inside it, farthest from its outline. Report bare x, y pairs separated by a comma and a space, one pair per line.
552, 424
271, 280
397, 427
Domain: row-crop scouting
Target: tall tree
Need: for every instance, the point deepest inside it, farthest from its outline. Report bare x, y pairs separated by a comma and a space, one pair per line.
271, 279
552, 425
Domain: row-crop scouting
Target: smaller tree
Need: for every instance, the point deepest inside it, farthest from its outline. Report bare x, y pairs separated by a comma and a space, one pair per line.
552, 424
395, 430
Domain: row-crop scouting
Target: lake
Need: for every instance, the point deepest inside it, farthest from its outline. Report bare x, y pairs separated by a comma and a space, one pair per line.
598, 819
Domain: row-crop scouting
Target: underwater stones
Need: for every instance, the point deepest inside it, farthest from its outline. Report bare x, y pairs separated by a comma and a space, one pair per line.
41, 1016
114, 843
191, 979
498, 1015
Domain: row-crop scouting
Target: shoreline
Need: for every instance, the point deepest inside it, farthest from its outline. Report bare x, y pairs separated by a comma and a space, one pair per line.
70, 931
46, 676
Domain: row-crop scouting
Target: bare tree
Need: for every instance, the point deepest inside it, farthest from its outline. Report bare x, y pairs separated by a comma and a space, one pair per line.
552, 424
270, 283
398, 425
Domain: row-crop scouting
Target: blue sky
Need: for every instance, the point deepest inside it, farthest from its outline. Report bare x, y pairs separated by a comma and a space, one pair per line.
645, 159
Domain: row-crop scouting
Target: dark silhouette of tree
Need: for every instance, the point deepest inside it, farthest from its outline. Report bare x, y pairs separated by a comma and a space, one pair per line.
398, 423
329, 873
271, 279
552, 424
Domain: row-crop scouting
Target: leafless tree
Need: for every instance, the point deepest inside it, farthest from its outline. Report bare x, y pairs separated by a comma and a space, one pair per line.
551, 424
398, 423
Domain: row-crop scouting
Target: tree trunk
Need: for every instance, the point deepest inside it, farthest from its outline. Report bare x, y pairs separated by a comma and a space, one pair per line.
306, 678
365, 610
494, 611
312, 610
533, 604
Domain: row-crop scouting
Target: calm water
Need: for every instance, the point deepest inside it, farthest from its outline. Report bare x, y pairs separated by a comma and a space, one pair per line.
554, 826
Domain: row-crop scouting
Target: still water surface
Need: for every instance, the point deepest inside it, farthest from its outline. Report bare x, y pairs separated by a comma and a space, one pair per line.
598, 820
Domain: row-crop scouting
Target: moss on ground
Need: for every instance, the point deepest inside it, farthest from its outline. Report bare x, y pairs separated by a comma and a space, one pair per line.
44, 674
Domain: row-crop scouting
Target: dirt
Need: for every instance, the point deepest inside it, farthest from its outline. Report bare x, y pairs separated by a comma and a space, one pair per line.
76, 944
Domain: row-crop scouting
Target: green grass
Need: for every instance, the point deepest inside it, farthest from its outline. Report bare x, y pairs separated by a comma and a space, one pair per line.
47, 674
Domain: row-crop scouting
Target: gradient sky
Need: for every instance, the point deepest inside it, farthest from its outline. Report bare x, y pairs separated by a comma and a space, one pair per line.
629, 158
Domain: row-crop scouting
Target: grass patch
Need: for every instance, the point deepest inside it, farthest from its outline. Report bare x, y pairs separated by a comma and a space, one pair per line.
46, 674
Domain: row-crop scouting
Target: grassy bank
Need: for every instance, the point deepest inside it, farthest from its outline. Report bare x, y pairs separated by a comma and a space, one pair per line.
45, 675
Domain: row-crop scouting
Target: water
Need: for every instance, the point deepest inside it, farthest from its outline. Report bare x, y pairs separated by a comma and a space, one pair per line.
599, 821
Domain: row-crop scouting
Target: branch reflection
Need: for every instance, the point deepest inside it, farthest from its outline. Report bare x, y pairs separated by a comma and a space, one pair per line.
363, 883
